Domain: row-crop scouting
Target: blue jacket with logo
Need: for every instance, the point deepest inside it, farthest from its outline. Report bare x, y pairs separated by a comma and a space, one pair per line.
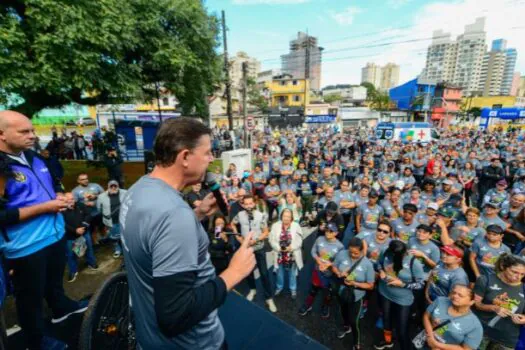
26, 186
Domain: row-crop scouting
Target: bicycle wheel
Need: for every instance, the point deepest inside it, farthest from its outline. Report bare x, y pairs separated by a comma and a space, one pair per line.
108, 321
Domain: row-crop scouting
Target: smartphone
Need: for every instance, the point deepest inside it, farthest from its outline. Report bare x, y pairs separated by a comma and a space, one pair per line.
218, 230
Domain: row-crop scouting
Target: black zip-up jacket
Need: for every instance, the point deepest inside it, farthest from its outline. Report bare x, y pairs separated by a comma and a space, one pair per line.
74, 218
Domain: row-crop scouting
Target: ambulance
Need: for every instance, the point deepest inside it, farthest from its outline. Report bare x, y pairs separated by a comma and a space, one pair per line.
406, 132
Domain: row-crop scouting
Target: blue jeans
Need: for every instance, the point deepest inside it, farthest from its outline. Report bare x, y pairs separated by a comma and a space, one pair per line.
72, 259
114, 235
292, 277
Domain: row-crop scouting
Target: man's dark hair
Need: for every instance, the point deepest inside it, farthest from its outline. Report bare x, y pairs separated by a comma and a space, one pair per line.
176, 135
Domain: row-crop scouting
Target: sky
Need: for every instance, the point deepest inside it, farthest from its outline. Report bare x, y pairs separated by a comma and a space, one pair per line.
354, 32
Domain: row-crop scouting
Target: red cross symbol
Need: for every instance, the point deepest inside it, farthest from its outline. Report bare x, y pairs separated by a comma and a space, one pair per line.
421, 134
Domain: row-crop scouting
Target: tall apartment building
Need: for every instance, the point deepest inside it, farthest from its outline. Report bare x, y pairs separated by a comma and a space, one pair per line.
497, 71
511, 56
514, 90
371, 73
441, 58
389, 76
458, 62
383, 78
254, 67
294, 62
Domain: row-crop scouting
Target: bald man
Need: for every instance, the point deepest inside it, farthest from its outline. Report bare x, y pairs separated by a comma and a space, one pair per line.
32, 231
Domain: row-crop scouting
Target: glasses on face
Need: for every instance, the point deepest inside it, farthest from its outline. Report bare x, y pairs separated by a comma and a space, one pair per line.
386, 232
85, 179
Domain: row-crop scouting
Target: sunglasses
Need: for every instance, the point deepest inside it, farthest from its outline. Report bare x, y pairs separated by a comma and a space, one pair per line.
383, 231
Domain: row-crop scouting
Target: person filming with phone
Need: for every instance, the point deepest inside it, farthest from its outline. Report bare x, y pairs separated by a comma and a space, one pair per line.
175, 292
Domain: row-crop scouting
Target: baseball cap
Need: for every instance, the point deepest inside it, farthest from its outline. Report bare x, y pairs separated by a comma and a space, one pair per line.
390, 164
433, 205
502, 182
452, 250
331, 208
495, 228
492, 205
373, 194
112, 182
447, 182
332, 227
446, 212
452, 174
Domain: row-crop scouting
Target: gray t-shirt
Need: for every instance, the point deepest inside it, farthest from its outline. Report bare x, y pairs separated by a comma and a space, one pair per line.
363, 273
443, 279
161, 236
80, 194
430, 249
254, 224
486, 256
326, 250
402, 231
461, 330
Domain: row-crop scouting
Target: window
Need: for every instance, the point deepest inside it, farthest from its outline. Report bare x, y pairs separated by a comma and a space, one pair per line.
283, 83
294, 82
165, 101
297, 98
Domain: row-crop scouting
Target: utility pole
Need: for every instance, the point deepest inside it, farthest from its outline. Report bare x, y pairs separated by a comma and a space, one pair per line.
306, 69
227, 73
244, 102
157, 87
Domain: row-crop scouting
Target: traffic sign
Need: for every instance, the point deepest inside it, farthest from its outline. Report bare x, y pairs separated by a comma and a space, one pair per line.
250, 123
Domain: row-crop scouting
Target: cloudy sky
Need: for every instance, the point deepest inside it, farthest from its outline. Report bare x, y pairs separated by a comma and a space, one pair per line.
354, 32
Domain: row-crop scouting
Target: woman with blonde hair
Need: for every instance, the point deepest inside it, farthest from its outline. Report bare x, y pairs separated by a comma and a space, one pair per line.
288, 200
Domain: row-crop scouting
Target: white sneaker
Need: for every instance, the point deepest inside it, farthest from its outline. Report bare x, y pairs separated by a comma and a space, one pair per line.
251, 294
271, 305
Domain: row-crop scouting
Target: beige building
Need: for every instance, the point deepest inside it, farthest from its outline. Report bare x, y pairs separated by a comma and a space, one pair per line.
441, 58
371, 73
389, 76
254, 67
516, 78
492, 73
383, 78
294, 62
521, 87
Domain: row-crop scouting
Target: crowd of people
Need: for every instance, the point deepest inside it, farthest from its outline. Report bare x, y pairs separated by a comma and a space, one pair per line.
433, 234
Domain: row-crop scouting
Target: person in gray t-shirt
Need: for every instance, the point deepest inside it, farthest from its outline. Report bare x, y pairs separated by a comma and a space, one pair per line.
255, 222
172, 283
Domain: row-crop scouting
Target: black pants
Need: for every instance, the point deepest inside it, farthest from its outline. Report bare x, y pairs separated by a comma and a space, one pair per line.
398, 315
35, 277
3, 329
260, 258
272, 206
350, 313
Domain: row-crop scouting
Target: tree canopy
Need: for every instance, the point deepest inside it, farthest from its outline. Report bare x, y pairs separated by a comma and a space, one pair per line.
56, 52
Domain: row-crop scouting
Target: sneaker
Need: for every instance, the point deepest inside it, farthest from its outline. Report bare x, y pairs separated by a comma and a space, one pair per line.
116, 255
343, 331
325, 312
383, 345
72, 277
82, 306
294, 294
251, 294
49, 343
271, 305
278, 291
304, 310
93, 267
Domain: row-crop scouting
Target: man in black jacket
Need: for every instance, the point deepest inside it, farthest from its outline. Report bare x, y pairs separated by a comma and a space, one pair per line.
489, 176
77, 218
113, 162
330, 214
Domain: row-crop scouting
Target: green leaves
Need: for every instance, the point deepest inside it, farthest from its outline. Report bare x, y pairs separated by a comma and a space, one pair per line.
54, 52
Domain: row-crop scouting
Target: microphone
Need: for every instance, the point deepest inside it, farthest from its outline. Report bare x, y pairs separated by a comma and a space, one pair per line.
215, 188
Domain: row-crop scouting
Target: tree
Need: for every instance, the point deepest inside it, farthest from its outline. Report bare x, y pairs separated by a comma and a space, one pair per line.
380, 101
332, 98
370, 90
475, 112
56, 52
256, 97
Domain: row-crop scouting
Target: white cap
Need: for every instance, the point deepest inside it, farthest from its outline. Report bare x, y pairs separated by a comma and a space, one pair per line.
433, 205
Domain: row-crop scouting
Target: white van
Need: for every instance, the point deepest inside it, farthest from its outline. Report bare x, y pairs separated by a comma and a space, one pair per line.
406, 132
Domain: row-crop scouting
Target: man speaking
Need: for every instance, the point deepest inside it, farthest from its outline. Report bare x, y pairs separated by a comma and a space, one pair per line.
174, 290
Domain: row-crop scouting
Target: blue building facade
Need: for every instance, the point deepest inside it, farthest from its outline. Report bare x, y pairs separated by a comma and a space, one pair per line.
412, 96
